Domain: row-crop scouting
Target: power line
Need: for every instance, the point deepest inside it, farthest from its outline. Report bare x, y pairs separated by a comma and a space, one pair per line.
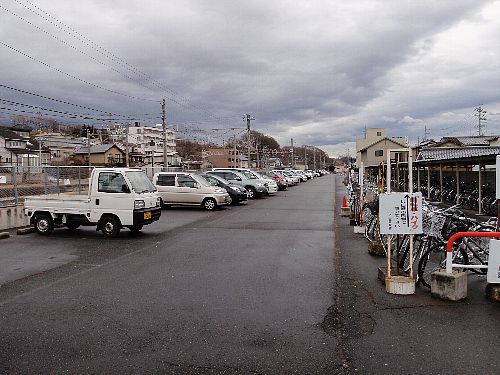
121, 62
75, 77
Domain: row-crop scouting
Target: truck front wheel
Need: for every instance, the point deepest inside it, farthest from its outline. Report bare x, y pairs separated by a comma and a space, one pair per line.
44, 224
110, 226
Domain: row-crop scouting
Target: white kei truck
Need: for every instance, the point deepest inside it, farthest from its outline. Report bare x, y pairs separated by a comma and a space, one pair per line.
117, 198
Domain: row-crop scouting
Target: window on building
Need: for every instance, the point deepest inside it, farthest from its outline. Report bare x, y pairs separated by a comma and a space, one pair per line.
166, 180
379, 152
379, 134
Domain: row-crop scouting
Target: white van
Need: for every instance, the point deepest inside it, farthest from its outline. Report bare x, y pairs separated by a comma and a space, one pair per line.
183, 188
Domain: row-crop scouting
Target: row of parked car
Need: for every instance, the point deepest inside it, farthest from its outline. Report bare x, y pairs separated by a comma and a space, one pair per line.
223, 186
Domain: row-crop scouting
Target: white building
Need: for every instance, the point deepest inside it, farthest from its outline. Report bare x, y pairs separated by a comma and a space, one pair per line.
148, 141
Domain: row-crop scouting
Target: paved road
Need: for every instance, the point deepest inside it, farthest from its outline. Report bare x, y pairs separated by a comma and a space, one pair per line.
279, 286
242, 290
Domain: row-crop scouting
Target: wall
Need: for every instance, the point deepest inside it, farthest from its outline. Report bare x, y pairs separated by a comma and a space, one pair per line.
12, 217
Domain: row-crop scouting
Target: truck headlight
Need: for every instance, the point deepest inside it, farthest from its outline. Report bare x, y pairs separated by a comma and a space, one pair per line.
158, 201
139, 204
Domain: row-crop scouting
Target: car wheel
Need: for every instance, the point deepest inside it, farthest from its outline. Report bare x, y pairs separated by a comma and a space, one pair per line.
251, 192
209, 204
110, 226
44, 224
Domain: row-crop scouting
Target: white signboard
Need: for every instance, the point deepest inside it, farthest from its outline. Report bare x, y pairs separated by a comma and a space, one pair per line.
3, 179
498, 177
494, 262
400, 213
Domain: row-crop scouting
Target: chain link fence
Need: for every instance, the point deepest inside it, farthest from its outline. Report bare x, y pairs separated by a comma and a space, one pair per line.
17, 183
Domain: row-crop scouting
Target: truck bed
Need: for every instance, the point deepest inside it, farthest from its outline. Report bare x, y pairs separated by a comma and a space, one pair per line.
63, 203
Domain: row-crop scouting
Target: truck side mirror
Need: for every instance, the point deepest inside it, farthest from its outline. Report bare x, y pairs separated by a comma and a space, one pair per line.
125, 189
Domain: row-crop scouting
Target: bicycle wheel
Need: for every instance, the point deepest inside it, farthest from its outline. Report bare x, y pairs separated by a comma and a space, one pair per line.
434, 259
478, 251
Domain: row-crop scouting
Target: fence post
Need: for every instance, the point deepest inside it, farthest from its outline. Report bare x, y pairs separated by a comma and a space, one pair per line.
14, 182
57, 178
45, 180
79, 180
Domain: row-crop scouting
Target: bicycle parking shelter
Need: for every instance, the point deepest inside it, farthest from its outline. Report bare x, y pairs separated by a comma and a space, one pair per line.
468, 160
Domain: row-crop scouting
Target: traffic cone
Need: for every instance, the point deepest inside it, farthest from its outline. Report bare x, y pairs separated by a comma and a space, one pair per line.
344, 202
344, 210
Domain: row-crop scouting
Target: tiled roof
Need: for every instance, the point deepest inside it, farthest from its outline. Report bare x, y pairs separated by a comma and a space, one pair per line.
97, 149
455, 153
478, 140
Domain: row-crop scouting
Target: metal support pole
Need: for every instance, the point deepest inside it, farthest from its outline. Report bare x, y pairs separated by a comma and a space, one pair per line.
418, 178
441, 182
79, 180
457, 177
410, 190
479, 189
428, 181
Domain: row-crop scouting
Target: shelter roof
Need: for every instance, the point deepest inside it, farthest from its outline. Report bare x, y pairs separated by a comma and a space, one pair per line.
440, 154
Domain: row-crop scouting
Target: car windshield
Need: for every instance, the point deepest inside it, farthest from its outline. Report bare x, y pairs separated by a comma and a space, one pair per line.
140, 182
249, 175
215, 180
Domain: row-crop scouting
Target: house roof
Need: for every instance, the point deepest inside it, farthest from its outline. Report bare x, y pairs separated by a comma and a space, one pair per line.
96, 149
479, 140
440, 154
384, 139
10, 134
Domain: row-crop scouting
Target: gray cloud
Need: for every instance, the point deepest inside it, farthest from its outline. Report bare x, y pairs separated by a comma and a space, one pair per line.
315, 71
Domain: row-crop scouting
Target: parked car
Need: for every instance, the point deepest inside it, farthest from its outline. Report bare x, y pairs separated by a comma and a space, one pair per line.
280, 181
254, 186
290, 177
237, 193
269, 183
182, 188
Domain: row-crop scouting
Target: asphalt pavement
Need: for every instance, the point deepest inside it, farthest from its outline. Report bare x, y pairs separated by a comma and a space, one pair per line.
241, 290
280, 285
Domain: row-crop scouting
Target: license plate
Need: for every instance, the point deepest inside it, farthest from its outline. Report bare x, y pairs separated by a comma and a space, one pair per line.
147, 215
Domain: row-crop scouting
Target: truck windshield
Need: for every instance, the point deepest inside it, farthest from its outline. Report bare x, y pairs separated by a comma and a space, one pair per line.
140, 182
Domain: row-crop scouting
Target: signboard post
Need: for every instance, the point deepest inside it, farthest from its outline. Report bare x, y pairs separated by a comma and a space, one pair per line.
400, 213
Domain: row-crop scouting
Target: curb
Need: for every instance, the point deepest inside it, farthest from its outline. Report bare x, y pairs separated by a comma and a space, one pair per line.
27, 230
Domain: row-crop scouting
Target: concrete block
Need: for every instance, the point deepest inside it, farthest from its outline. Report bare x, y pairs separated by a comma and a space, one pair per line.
359, 229
4, 235
493, 292
345, 211
452, 287
401, 285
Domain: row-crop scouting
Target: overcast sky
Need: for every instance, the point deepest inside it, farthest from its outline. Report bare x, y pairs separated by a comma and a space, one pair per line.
315, 71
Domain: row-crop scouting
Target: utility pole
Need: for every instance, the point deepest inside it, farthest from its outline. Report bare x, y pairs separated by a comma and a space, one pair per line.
126, 147
481, 115
165, 129
234, 150
248, 118
426, 133
314, 150
88, 145
305, 157
293, 157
